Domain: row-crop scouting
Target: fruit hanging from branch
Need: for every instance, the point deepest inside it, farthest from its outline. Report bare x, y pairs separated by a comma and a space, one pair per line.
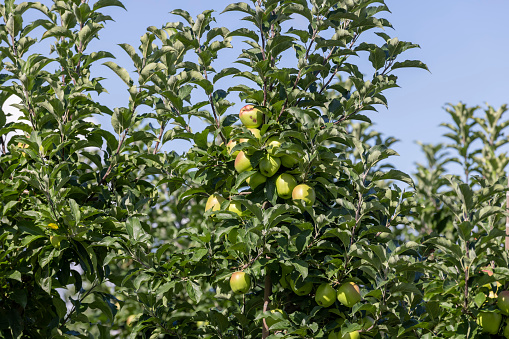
256, 180
250, 116
240, 282
285, 184
325, 295
242, 162
304, 193
269, 165
214, 202
349, 294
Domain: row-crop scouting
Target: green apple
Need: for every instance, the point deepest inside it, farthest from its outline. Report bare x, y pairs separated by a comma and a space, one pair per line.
214, 202
285, 184
303, 289
489, 321
235, 206
351, 335
201, 323
256, 133
305, 193
273, 145
349, 294
269, 165
229, 147
503, 302
272, 321
289, 160
325, 295
333, 335
240, 282
130, 320
242, 162
256, 180
506, 330
285, 271
55, 240
250, 116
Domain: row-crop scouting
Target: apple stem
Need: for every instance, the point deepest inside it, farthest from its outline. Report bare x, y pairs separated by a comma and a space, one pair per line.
266, 300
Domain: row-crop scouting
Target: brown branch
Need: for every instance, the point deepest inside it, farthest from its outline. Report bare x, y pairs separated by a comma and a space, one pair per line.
266, 300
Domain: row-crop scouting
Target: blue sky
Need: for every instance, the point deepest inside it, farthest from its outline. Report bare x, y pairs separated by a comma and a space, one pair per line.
463, 42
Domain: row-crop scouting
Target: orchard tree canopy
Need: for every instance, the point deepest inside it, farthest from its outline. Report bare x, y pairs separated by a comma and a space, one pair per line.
285, 219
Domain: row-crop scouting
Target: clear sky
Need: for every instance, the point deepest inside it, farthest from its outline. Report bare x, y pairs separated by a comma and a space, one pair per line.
463, 42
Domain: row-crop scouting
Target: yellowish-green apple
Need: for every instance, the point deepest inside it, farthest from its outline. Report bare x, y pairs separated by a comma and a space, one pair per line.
250, 116
305, 193
285, 184
256, 180
240, 282
201, 323
349, 294
256, 133
489, 321
269, 165
325, 295
130, 320
214, 202
285, 271
304, 289
503, 302
55, 240
273, 145
351, 335
235, 206
229, 147
242, 162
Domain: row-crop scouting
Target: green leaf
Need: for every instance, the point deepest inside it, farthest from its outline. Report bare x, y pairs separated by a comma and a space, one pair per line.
410, 63
239, 7
120, 71
106, 3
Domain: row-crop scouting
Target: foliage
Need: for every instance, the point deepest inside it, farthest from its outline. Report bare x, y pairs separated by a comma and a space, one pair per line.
105, 235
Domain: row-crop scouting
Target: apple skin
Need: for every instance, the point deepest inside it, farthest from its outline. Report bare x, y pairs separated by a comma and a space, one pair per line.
235, 206
214, 202
55, 240
240, 282
303, 290
289, 160
285, 184
229, 147
305, 193
250, 116
256, 133
489, 321
269, 165
273, 145
351, 335
325, 295
506, 330
130, 320
242, 162
503, 302
349, 294
256, 180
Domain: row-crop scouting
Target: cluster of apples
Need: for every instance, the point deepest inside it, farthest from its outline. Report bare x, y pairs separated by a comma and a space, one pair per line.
286, 184
490, 321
